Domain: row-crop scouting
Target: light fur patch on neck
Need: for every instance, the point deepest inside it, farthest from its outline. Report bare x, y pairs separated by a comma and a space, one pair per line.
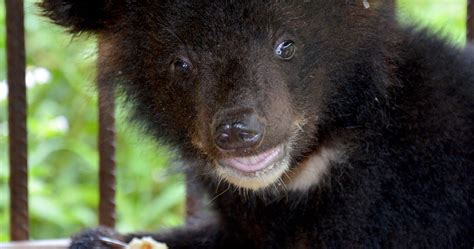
311, 171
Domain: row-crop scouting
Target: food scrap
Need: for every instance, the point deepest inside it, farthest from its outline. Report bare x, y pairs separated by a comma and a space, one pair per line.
146, 243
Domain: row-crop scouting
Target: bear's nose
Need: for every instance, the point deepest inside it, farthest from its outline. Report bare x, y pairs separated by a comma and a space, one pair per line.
238, 130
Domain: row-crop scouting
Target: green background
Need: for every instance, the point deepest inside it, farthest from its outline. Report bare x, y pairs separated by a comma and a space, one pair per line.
63, 126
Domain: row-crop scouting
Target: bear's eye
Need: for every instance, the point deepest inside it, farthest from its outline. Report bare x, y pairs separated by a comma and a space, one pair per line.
286, 50
182, 66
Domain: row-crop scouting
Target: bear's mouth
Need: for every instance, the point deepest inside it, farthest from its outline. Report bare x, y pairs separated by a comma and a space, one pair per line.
255, 164
256, 171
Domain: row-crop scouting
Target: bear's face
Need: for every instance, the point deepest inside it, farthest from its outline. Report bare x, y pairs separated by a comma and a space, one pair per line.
243, 84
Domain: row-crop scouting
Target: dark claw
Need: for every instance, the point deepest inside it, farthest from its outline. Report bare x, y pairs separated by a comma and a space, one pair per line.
92, 239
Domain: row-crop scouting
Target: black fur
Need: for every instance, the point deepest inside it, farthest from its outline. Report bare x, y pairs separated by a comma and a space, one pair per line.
85, 15
399, 102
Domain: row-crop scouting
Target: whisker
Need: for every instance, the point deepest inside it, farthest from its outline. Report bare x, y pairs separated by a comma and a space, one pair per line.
217, 196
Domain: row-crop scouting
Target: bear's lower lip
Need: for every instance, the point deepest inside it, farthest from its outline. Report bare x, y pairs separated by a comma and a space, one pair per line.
255, 163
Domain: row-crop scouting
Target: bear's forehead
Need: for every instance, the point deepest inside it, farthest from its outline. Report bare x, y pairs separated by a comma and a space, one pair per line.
224, 11
213, 21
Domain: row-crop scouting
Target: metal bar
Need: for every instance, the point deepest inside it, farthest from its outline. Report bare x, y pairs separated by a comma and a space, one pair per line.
17, 120
107, 179
195, 206
470, 20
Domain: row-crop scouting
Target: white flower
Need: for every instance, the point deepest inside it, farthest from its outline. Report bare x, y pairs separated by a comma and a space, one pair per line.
41, 75
37, 76
60, 124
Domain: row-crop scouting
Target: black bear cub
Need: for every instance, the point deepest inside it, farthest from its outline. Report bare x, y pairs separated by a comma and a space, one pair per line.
309, 124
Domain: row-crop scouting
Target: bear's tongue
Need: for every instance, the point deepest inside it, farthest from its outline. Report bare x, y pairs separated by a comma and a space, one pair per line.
254, 163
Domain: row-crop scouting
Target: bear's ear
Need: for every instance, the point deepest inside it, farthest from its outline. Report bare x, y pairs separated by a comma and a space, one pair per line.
82, 15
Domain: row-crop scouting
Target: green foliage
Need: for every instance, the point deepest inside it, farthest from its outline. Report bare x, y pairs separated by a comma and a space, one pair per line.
63, 127
445, 17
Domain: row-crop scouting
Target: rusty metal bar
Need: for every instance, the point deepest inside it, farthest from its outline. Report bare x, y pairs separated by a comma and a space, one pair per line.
17, 106
470, 20
107, 171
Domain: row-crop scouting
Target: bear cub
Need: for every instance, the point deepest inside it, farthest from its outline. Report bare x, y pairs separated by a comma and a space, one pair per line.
309, 124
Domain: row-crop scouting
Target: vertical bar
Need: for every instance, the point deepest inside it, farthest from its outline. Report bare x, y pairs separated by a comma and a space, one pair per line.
194, 200
107, 164
19, 222
470, 20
